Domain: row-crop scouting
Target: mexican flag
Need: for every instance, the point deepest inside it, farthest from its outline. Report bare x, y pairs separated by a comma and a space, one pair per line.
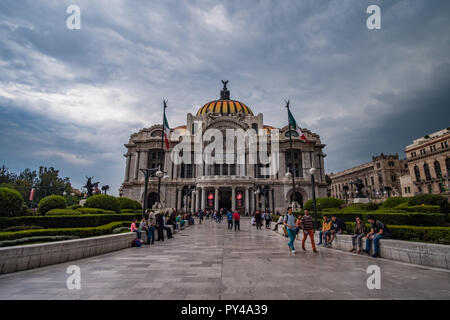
293, 124
166, 131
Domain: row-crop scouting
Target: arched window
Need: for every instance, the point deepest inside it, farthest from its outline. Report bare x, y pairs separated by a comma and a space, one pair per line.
437, 169
417, 173
156, 133
255, 127
447, 164
426, 169
291, 133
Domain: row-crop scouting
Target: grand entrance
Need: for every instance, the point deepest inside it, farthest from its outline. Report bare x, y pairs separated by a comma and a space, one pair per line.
225, 198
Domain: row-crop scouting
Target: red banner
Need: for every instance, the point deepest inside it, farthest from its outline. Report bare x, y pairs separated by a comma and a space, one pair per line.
31, 194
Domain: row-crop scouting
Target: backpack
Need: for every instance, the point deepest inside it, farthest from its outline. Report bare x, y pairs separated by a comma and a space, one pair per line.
136, 243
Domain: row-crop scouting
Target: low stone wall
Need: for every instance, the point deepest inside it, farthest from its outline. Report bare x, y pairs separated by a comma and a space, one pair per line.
426, 254
21, 258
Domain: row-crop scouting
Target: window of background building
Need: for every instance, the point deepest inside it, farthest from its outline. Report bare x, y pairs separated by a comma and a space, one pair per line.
378, 165
417, 173
437, 169
372, 180
426, 169
419, 188
154, 157
447, 164
294, 162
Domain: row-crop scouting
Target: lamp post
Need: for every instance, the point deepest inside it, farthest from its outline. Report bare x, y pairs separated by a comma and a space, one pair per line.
150, 172
312, 171
264, 191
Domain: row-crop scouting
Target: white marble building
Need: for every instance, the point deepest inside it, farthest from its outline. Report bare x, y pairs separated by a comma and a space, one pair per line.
232, 186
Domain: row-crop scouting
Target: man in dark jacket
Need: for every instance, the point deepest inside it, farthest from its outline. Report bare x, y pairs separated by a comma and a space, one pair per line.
377, 231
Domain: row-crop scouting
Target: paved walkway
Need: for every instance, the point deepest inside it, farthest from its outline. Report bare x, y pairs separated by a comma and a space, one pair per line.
209, 262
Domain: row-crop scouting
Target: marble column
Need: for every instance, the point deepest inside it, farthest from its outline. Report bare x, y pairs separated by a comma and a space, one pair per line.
127, 169
203, 198
193, 201
269, 195
136, 165
197, 199
179, 199
216, 199
233, 199
247, 209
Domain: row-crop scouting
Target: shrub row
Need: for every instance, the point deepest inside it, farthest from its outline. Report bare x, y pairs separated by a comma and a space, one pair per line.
62, 212
324, 203
16, 242
439, 235
79, 232
84, 220
51, 202
394, 218
95, 211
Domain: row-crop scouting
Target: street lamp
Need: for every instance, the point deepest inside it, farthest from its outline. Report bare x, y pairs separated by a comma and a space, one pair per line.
312, 171
264, 190
345, 187
150, 172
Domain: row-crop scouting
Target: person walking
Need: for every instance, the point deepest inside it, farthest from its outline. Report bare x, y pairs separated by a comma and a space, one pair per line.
289, 222
151, 223
160, 226
308, 230
258, 220
237, 218
268, 218
200, 216
230, 220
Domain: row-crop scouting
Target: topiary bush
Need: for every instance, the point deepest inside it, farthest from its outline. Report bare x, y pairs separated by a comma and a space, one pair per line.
11, 203
393, 202
137, 205
51, 202
103, 201
62, 212
126, 203
324, 203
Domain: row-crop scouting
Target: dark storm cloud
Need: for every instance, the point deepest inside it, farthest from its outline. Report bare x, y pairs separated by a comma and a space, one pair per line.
72, 98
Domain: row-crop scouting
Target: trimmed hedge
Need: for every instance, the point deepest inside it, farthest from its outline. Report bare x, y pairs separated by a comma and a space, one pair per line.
430, 199
137, 205
393, 202
51, 202
74, 206
84, 220
126, 203
17, 242
79, 232
103, 201
394, 218
324, 203
11, 203
95, 211
440, 235
20, 228
62, 212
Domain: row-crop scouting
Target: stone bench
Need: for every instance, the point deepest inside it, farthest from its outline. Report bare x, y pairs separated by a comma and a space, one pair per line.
426, 254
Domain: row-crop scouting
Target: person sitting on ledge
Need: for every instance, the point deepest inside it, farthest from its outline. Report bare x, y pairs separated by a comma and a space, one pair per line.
377, 231
335, 229
326, 226
134, 229
359, 231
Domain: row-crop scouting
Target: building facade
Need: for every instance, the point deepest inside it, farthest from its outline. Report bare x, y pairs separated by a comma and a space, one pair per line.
428, 161
381, 179
239, 185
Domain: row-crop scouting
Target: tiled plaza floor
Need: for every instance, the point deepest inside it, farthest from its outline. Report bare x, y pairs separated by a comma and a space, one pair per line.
209, 262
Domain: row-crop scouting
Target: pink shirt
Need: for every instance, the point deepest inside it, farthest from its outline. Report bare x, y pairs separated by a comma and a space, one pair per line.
133, 227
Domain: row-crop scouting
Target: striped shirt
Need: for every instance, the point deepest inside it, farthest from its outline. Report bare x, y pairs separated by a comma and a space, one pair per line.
307, 222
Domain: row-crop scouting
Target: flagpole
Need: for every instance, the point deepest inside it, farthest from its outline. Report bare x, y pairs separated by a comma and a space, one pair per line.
162, 150
292, 155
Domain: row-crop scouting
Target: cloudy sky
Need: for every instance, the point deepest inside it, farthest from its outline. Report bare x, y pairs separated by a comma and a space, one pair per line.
71, 98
